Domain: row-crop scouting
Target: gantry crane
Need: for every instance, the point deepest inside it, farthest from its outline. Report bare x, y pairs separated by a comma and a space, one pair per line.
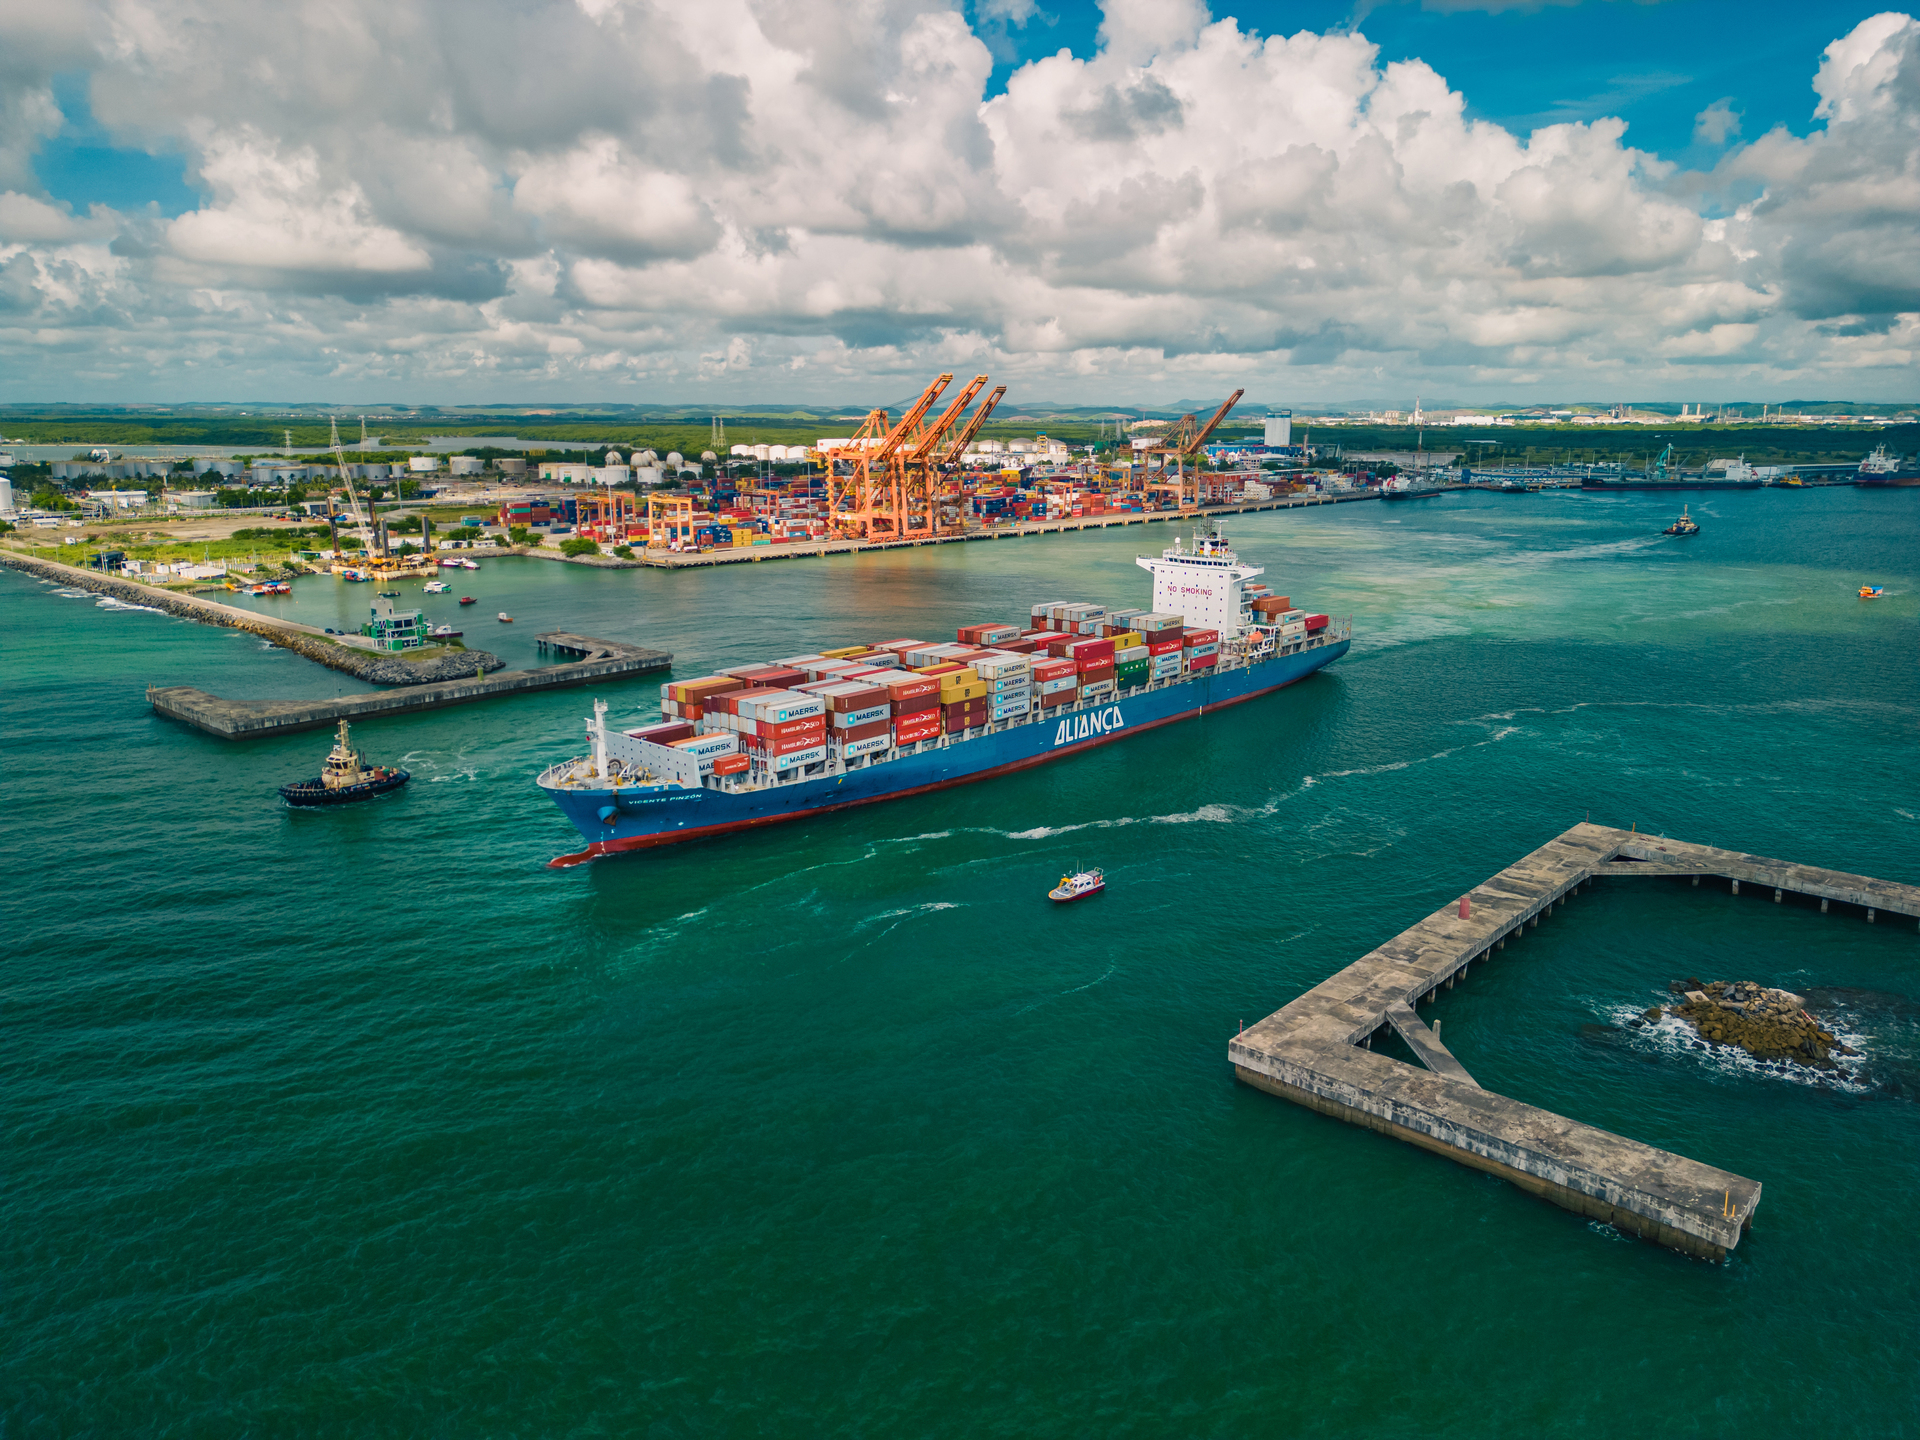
954, 451
1182, 442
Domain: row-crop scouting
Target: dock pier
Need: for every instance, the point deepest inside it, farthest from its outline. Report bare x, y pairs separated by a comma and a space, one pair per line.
248, 719
1317, 1050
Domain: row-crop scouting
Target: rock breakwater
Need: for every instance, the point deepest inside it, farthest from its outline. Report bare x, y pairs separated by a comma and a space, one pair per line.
1768, 1024
371, 666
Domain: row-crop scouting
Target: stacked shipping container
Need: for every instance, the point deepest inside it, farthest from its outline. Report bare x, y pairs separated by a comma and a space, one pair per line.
863, 700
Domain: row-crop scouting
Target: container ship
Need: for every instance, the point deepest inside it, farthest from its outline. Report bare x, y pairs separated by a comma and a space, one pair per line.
760, 744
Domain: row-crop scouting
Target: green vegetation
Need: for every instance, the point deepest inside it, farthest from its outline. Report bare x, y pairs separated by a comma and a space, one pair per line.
522, 535
579, 545
51, 497
625, 552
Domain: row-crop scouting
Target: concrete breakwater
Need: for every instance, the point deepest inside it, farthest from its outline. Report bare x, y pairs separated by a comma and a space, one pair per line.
374, 667
248, 719
1317, 1050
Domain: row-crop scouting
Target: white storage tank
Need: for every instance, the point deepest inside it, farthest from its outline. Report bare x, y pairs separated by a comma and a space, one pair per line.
466, 464
423, 464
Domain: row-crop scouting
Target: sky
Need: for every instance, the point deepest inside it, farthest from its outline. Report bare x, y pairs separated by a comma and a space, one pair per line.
823, 201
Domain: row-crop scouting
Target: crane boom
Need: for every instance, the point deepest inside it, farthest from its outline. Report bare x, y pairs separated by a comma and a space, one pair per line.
930, 437
915, 414
972, 427
340, 459
1200, 439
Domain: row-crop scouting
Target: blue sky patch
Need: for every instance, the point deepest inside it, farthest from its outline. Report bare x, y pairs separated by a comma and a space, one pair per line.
83, 166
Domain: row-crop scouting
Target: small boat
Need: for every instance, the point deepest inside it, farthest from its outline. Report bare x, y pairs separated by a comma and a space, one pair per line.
1871, 592
505, 618
257, 589
280, 587
469, 564
449, 564
1685, 525
446, 632
343, 778
436, 587
1078, 885
467, 600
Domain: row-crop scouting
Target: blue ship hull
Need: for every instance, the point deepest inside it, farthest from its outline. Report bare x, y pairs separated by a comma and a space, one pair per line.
613, 821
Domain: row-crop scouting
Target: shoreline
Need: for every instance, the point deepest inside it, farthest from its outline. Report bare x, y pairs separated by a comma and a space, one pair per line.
372, 666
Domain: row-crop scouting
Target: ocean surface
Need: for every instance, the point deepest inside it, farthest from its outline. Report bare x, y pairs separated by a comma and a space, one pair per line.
368, 1124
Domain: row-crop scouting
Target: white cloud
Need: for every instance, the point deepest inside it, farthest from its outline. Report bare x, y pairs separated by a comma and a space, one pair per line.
503, 199
1716, 124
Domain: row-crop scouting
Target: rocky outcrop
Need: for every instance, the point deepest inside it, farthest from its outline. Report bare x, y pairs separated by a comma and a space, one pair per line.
1768, 1024
367, 665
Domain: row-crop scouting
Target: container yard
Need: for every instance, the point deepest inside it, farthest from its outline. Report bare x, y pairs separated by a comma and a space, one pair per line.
884, 719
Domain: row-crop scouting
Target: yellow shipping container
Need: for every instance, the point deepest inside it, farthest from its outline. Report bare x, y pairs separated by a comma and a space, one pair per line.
972, 691
850, 650
1128, 640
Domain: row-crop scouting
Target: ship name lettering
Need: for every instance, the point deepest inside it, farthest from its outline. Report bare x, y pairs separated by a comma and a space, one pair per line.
1096, 722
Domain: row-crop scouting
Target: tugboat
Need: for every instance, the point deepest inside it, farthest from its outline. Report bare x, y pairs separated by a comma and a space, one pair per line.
468, 600
1075, 886
343, 778
505, 618
1683, 526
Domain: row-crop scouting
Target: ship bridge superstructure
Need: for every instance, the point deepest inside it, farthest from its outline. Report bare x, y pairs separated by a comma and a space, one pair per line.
1204, 584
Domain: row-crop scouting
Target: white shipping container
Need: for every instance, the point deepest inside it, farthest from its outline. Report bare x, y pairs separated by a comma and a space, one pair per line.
1054, 687
716, 743
1012, 710
872, 745
812, 755
853, 719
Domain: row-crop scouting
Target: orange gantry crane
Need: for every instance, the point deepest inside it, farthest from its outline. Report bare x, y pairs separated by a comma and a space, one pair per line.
885, 482
1182, 443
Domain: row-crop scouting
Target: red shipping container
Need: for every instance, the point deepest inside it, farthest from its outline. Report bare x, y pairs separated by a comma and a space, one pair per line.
1096, 674
731, 764
663, 732
763, 745
908, 685
864, 732
1052, 669
910, 728
865, 698
918, 705
1021, 646
1163, 647
971, 720
1060, 697
1203, 662
815, 725
1199, 637
727, 701
1316, 622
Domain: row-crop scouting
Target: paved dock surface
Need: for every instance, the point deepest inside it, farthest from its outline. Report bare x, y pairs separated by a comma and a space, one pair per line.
789, 550
246, 719
1314, 1051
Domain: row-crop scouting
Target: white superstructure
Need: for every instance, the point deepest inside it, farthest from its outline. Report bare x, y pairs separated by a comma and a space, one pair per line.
1205, 585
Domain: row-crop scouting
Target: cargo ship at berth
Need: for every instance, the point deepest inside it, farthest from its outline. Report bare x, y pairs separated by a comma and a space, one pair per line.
854, 726
1880, 468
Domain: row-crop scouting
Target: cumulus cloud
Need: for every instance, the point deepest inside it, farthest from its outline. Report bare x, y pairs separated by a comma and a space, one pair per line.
1716, 124
492, 197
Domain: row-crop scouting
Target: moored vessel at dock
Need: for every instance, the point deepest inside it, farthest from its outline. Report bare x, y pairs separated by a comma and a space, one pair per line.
761, 744
1882, 469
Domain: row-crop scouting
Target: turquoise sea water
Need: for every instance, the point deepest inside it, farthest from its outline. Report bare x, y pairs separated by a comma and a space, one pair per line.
366, 1123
